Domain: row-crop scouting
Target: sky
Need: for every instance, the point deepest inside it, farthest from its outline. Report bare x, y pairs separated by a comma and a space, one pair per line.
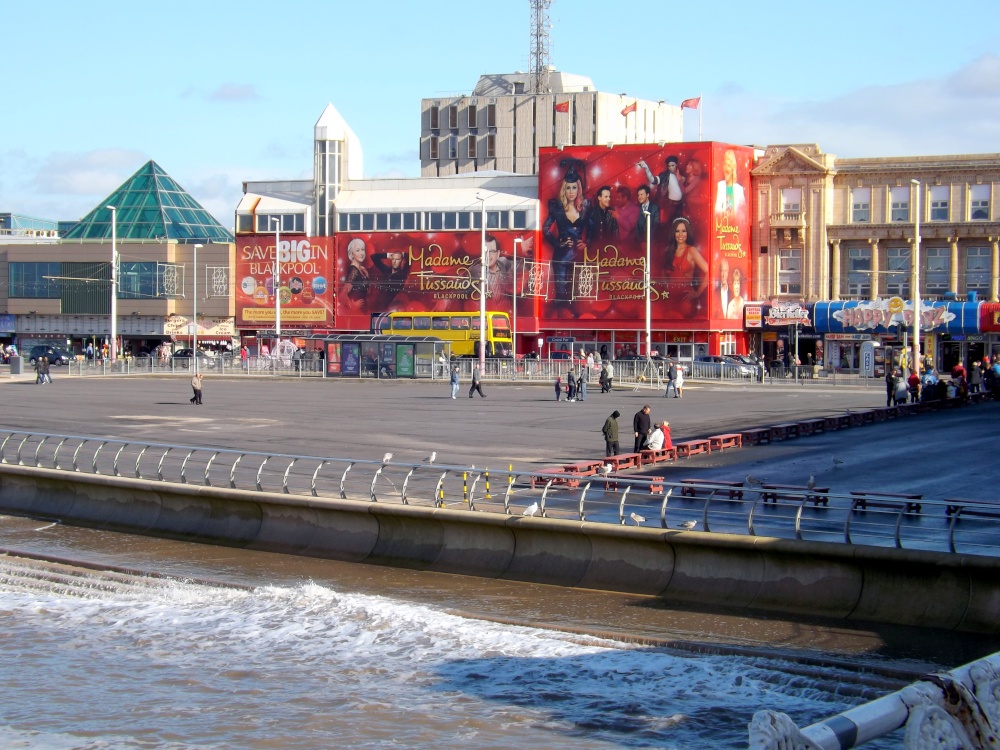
218, 92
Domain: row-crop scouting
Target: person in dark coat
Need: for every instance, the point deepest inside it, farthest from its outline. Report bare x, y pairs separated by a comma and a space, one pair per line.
610, 431
640, 426
476, 384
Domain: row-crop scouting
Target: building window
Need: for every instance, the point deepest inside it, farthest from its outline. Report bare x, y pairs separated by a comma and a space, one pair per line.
979, 203
435, 116
354, 222
35, 280
790, 271
452, 146
900, 200
491, 115
453, 117
451, 220
473, 114
861, 205
937, 264
288, 222
977, 269
939, 203
395, 222
381, 222
244, 223
520, 220
897, 279
791, 200
433, 150
859, 267
473, 151
491, 145
435, 220
464, 220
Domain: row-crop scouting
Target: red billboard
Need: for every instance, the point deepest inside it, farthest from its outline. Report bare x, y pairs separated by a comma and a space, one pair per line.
304, 276
600, 207
426, 272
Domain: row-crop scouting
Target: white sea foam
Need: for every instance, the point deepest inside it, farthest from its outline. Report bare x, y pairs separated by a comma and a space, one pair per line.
201, 665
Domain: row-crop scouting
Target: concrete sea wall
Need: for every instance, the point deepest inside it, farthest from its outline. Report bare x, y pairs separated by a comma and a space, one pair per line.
927, 589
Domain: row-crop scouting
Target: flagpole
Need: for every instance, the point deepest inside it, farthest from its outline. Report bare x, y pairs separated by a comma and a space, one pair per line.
700, 107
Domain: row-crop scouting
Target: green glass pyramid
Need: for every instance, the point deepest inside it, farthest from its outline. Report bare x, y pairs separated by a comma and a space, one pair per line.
151, 206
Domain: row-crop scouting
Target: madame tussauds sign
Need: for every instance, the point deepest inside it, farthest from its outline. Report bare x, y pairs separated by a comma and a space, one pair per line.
890, 313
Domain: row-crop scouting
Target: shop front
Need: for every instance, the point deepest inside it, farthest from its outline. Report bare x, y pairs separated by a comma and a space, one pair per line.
949, 332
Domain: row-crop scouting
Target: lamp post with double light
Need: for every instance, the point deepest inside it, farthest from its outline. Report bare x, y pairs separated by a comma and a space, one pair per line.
646, 287
482, 286
194, 314
915, 282
114, 283
276, 221
513, 306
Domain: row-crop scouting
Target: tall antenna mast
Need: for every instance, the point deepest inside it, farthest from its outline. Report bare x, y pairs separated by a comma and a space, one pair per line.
539, 54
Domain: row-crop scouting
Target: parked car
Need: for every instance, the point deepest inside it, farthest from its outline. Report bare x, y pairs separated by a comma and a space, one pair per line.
721, 366
184, 358
56, 356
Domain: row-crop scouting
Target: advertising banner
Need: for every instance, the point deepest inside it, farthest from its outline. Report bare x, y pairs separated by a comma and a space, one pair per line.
304, 274
600, 207
429, 272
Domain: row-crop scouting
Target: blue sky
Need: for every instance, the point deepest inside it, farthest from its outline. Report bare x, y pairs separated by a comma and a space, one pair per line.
218, 92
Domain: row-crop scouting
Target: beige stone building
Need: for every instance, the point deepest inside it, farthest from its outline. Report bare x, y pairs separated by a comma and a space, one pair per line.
828, 228
500, 126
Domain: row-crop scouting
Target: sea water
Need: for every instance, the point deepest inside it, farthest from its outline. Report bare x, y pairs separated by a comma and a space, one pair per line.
141, 663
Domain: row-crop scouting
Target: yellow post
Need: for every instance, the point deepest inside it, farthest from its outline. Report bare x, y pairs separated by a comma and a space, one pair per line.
487, 475
465, 487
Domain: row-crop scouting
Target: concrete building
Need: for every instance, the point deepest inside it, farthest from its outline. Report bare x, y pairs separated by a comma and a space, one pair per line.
501, 127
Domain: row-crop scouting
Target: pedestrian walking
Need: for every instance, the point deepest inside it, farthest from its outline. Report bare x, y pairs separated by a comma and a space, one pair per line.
640, 427
678, 380
559, 388
196, 387
46, 370
476, 385
39, 369
570, 386
609, 372
610, 431
671, 380
581, 384
454, 382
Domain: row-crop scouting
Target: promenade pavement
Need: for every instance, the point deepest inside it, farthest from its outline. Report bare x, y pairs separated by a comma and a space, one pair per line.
943, 454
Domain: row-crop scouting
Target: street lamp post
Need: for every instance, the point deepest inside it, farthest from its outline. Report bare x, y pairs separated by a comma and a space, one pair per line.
915, 283
276, 221
194, 315
482, 286
513, 304
646, 286
114, 283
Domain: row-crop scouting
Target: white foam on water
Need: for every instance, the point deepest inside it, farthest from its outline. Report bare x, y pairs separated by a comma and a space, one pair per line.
188, 665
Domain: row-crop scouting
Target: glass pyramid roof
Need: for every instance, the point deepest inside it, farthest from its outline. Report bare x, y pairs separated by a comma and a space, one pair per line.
151, 206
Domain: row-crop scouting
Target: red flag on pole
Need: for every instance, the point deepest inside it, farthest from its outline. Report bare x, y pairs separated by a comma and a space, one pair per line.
562, 107
691, 103
628, 109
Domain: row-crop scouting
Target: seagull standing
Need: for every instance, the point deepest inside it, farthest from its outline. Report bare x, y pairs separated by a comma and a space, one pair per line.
430, 458
386, 458
530, 510
636, 518
811, 484
753, 481
606, 469
687, 525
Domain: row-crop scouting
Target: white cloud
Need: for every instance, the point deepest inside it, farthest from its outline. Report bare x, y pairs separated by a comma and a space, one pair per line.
234, 92
93, 173
957, 113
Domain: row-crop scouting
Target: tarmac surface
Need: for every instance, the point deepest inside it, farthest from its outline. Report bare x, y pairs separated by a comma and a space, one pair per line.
945, 454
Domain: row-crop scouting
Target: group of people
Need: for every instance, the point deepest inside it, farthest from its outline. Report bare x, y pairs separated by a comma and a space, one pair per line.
42, 374
982, 373
576, 385
477, 382
646, 434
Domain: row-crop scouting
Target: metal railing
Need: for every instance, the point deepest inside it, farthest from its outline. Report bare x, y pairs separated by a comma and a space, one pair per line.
942, 526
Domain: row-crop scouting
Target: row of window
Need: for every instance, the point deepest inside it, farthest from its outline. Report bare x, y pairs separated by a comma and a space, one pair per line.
895, 280
263, 224
136, 280
473, 113
415, 221
938, 195
474, 146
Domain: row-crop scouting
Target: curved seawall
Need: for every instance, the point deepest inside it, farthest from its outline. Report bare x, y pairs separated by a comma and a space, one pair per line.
927, 589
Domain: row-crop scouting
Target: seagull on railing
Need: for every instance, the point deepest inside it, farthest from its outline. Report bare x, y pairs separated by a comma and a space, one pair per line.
811, 483
386, 458
687, 525
753, 481
606, 469
530, 510
637, 518
430, 458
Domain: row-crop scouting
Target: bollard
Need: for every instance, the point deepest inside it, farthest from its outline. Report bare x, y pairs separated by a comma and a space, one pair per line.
486, 475
465, 487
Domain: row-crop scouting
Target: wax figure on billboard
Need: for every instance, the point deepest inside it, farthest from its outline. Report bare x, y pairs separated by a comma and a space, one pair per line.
565, 225
357, 282
734, 309
391, 278
600, 274
499, 276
